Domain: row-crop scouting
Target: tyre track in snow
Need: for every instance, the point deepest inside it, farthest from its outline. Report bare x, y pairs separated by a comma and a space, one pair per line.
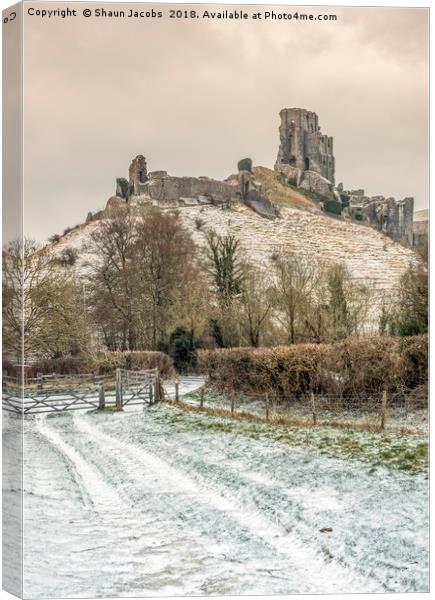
189, 524
221, 491
287, 499
120, 527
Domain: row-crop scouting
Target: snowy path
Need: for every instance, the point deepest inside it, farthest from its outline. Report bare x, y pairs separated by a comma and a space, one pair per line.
186, 385
123, 504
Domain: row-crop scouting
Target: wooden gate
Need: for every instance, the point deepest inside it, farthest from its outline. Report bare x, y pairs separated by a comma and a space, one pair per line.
137, 387
51, 393
59, 393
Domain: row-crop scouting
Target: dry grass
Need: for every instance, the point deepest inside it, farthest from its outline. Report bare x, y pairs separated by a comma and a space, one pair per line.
286, 420
278, 193
216, 412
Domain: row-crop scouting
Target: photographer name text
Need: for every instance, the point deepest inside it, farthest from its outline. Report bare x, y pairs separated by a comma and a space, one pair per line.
181, 14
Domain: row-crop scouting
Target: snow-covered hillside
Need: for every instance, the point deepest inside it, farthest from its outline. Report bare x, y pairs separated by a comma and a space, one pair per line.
371, 257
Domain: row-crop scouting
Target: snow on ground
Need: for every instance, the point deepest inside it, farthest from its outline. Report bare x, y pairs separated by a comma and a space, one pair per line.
126, 504
373, 259
187, 385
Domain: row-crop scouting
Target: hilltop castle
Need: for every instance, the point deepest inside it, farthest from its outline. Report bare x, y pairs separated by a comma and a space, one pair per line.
305, 161
305, 158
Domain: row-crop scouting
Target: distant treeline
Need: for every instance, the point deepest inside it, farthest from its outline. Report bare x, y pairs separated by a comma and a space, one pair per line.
147, 288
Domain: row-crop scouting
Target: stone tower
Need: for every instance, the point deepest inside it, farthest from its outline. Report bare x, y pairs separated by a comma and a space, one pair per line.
302, 145
138, 175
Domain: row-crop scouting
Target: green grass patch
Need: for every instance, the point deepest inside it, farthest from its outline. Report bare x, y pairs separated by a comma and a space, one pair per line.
107, 409
407, 453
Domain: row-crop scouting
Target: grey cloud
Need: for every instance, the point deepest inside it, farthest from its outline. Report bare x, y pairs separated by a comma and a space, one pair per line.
196, 96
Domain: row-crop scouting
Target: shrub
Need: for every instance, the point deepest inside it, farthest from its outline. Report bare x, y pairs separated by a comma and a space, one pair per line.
54, 238
182, 345
199, 223
332, 206
345, 199
245, 164
136, 360
355, 366
62, 366
282, 370
67, 257
364, 365
414, 353
103, 364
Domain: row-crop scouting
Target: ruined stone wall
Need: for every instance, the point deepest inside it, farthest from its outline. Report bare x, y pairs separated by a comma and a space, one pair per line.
176, 189
138, 175
421, 231
302, 145
394, 218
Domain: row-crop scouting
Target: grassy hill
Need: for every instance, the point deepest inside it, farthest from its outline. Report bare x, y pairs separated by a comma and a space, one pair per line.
279, 193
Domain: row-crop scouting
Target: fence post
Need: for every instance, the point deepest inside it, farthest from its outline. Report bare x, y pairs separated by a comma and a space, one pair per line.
232, 402
118, 394
267, 407
313, 408
39, 380
384, 409
201, 397
157, 387
101, 397
177, 385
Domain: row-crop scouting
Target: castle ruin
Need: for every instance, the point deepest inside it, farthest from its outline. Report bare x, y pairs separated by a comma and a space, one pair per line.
302, 145
393, 217
305, 161
138, 175
305, 158
159, 188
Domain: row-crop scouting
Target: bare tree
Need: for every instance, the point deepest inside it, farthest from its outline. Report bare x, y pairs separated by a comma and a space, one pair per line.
255, 304
164, 253
294, 286
112, 279
43, 314
143, 262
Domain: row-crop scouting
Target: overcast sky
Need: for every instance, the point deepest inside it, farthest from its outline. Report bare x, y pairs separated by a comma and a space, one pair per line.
195, 96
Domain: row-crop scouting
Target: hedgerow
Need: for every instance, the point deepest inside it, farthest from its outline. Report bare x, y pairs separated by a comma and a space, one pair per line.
355, 366
102, 364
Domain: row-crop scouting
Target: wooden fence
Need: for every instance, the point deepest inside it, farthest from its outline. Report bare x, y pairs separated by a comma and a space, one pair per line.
407, 410
60, 393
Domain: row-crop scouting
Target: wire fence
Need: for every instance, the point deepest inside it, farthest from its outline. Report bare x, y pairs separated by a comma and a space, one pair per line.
381, 411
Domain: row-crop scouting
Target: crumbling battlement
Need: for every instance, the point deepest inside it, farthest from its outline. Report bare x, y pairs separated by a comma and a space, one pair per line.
138, 176
305, 158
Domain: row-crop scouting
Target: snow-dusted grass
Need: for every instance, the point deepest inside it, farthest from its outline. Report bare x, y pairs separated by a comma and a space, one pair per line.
400, 419
405, 452
160, 502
